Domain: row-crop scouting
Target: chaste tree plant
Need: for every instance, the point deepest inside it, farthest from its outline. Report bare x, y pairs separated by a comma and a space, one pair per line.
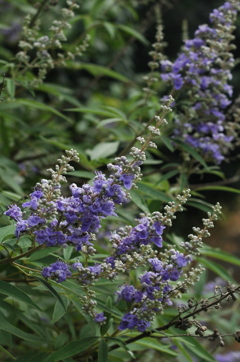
95, 264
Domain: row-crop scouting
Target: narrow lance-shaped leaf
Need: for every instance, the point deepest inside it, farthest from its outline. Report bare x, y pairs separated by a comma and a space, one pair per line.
8, 327
52, 291
102, 351
6, 352
16, 293
72, 348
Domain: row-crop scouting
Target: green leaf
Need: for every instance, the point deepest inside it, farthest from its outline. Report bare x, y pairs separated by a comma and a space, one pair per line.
98, 70
8, 327
139, 200
79, 306
16, 293
12, 196
218, 188
183, 180
218, 269
23, 242
4, 134
99, 112
83, 174
221, 255
9, 181
152, 162
72, 349
109, 121
200, 204
154, 344
67, 252
10, 87
6, 337
52, 291
37, 328
111, 29
168, 143
153, 193
167, 176
212, 171
122, 344
33, 357
40, 254
61, 145
23, 6
191, 151
7, 231
103, 150
198, 350
41, 106
134, 33
116, 112
62, 93
6, 352
182, 348
103, 351
58, 312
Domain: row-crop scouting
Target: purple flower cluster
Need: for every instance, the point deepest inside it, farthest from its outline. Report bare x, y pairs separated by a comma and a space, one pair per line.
155, 290
58, 271
203, 69
52, 219
131, 321
146, 232
155, 284
72, 219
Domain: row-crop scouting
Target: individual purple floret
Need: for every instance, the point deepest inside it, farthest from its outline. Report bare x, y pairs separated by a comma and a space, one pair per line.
127, 180
21, 226
99, 318
180, 259
14, 212
32, 204
58, 271
203, 70
77, 266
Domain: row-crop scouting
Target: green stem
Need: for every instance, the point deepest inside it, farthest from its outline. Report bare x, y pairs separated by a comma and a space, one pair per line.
41, 7
173, 321
11, 260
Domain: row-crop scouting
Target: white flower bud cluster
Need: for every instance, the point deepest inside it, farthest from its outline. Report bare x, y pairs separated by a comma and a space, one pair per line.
89, 301
156, 55
63, 166
194, 246
171, 208
154, 131
41, 58
193, 275
52, 188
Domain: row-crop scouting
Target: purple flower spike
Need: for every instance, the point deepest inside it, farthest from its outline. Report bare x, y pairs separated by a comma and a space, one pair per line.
204, 69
